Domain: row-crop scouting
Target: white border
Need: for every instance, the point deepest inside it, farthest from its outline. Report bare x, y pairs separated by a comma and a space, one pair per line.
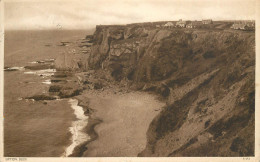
130, 159
1, 75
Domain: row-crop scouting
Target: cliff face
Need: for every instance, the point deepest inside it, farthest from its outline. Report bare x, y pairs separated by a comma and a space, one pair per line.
206, 77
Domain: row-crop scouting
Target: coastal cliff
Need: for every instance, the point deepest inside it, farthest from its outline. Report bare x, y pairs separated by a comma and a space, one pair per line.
206, 77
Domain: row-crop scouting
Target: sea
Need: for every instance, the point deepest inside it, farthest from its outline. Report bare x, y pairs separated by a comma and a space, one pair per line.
36, 128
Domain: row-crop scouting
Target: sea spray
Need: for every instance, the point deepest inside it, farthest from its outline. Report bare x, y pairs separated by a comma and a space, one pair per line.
43, 73
13, 68
78, 136
48, 81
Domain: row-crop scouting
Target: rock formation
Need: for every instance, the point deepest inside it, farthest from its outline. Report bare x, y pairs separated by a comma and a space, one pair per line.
206, 76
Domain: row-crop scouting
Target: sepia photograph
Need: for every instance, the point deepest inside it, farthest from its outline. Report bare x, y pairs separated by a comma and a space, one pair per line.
128, 78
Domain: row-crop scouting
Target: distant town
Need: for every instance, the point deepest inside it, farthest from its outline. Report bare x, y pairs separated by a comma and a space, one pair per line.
238, 25
243, 25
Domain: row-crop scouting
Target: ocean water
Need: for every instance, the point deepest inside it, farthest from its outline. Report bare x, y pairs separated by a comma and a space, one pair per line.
35, 128
78, 135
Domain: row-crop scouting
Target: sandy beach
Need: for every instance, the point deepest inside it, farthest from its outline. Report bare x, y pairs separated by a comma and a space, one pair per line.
125, 120
133, 90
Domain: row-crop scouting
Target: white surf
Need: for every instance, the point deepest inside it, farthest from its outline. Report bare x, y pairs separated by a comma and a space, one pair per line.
78, 135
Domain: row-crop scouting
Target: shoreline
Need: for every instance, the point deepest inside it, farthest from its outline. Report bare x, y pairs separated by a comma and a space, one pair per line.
77, 127
123, 137
89, 129
46, 109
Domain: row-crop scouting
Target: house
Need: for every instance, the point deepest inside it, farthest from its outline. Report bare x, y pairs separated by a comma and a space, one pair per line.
207, 21
250, 24
181, 23
169, 25
238, 26
193, 24
190, 25
242, 26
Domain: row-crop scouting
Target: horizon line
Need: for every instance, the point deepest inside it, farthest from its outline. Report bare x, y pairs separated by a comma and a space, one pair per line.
123, 24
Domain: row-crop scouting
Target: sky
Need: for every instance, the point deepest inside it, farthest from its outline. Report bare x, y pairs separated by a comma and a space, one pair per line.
86, 14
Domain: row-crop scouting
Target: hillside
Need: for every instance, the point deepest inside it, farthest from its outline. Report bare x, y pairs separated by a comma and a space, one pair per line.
206, 77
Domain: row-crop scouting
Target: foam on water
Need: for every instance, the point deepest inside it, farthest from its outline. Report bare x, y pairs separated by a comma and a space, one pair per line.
14, 68
33, 62
44, 73
50, 59
78, 136
42, 61
48, 81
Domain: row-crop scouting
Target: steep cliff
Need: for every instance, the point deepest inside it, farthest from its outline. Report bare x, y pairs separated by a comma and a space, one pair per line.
206, 76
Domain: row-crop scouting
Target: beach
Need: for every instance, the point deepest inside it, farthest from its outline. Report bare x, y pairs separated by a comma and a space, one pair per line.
117, 123
125, 119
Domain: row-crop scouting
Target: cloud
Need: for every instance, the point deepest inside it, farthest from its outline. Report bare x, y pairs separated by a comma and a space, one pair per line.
83, 14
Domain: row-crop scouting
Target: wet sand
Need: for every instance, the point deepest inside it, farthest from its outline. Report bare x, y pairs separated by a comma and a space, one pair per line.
78, 135
125, 120
38, 129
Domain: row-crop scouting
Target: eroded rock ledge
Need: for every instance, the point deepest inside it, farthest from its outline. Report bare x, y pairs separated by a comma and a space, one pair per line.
206, 76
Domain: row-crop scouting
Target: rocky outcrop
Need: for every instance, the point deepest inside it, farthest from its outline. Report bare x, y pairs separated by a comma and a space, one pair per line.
205, 76
41, 97
66, 61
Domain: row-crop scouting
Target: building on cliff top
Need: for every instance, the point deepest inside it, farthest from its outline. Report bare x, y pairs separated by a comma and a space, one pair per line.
243, 25
169, 25
181, 23
207, 21
194, 24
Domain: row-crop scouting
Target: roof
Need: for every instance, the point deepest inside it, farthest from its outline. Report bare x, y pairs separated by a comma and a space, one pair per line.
168, 24
239, 25
194, 23
180, 22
